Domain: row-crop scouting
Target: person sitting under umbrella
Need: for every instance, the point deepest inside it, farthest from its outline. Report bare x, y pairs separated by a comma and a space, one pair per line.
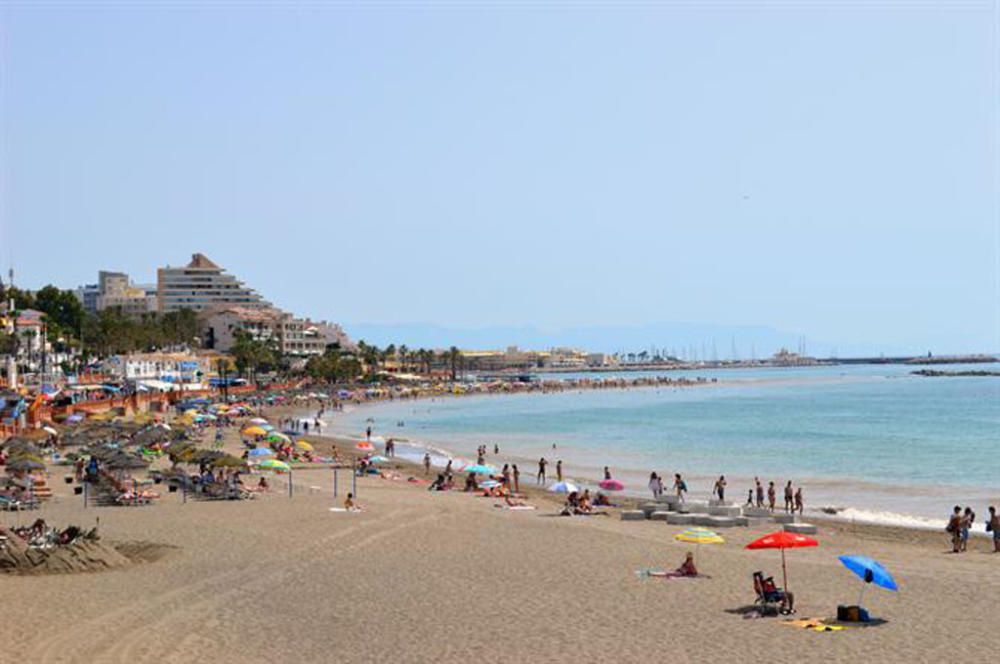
771, 593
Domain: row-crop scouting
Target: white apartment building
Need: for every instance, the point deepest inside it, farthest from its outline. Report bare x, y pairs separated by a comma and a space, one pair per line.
202, 285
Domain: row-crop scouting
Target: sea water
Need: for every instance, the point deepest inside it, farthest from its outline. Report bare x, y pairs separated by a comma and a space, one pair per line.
874, 441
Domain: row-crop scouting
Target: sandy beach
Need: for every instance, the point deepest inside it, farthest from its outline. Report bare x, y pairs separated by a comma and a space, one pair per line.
420, 576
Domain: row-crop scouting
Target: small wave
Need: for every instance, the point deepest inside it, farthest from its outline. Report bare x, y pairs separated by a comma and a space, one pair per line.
879, 517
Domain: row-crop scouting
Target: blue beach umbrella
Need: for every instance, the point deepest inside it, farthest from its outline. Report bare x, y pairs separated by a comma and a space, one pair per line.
870, 571
479, 469
378, 458
563, 487
261, 451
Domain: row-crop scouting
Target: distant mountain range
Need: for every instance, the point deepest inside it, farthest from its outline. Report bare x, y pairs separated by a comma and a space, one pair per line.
687, 340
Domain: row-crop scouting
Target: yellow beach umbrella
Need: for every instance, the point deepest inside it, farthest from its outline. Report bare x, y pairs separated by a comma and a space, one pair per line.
254, 431
699, 536
304, 446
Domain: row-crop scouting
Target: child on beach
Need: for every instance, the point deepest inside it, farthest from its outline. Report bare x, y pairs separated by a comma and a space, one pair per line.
967, 520
798, 501
350, 505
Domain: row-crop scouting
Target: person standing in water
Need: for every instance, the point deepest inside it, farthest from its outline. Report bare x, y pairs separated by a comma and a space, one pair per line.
517, 478
798, 501
559, 470
540, 479
427, 463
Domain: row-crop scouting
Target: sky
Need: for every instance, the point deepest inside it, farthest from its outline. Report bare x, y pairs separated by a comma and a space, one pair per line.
828, 169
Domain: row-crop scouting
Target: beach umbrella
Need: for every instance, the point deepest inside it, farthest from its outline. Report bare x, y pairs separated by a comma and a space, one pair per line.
364, 446
257, 420
563, 487
782, 540
611, 485
274, 464
870, 571
74, 418
50, 430
228, 461
266, 427
25, 465
261, 451
276, 437
479, 469
254, 431
304, 446
699, 536
378, 458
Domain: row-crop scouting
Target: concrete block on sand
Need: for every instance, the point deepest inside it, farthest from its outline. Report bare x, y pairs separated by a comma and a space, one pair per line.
759, 512
671, 500
724, 510
680, 519
801, 528
696, 507
661, 515
633, 515
785, 518
742, 520
649, 508
721, 522
715, 502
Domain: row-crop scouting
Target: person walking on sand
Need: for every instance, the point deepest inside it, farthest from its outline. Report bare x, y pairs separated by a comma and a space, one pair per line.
680, 486
771, 496
993, 526
496, 449
759, 489
954, 528
427, 463
655, 485
720, 488
517, 478
559, 470
789, 498
968, 518
540, 479
798, 502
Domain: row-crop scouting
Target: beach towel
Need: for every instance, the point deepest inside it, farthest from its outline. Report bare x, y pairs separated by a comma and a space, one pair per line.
650, 573
344, 509
514, 507
815, 624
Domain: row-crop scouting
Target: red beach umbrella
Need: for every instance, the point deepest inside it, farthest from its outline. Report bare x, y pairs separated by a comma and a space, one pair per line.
611, 485
782, 540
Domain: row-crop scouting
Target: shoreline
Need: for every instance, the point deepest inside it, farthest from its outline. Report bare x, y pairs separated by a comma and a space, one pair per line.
817, 510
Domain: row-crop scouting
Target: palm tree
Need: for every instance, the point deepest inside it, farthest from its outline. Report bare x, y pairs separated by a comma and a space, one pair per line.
454, 355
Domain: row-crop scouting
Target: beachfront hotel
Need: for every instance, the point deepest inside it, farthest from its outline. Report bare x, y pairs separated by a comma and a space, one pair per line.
202, 285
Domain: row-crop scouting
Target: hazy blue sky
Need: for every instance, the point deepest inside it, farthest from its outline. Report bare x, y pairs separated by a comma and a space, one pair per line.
829, 169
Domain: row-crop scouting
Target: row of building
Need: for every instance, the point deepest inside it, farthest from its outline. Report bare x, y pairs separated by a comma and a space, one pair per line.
225, 307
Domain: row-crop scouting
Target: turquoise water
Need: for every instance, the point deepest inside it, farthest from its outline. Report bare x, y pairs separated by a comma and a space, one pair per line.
872, 438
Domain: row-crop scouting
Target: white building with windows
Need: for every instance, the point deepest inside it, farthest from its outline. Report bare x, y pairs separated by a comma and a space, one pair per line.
202, 285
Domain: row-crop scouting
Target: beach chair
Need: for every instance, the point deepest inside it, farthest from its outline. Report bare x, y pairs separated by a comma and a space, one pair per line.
771, 599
